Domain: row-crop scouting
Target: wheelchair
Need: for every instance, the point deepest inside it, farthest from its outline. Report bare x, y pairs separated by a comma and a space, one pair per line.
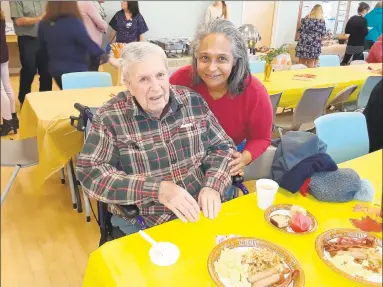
108, 232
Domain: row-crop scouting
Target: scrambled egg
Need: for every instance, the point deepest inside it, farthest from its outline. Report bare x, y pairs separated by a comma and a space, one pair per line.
346, 263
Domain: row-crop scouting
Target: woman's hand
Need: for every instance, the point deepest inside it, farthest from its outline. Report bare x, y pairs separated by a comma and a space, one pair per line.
238, 163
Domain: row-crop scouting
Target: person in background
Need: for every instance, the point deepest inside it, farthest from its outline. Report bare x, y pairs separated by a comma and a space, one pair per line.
374, 23
218, 10
172, 163
311, 33
128, 24
95, 27
8, 105
26, 16
100, 9
374, 117
220, 73
356, 27
68, 52
375, 53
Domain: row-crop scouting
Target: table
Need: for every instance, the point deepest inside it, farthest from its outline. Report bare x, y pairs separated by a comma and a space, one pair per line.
125, 262
340, 77
331, 49
46, 115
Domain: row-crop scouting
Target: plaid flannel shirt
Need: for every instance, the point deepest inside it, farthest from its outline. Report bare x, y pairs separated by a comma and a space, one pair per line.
127, 153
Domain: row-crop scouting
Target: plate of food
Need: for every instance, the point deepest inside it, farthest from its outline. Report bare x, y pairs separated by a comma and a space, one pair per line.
251, 262
291, 219
354, 254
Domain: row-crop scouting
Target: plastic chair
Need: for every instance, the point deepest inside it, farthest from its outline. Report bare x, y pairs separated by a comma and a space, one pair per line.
261, 167
345, 134
365, 55
311, 106
20, 154
83, 80
342, 97
257, 67
275, 99
366, 90
329, 61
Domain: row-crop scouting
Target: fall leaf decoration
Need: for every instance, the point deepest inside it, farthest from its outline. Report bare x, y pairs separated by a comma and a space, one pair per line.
367, 224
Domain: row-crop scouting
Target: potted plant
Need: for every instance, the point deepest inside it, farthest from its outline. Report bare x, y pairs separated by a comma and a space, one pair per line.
270, 56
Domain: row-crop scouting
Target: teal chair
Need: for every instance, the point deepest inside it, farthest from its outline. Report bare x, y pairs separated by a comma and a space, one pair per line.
83, 80
344, 133
329, 61
257, 67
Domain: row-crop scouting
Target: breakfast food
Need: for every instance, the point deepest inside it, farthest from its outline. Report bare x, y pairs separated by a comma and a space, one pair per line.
293, 220
253, 267
359, 257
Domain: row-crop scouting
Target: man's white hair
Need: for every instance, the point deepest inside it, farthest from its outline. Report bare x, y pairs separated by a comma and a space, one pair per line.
136, 52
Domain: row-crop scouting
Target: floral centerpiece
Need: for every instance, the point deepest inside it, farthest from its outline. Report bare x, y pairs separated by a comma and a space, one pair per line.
270, 56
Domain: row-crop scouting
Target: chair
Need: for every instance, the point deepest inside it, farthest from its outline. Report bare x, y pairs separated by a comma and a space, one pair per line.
366, 90
298, 67
365, 55
311, 106
275, 99
260, 167
257, 67
358, 62
341, 97
83, 80
329, 61
345, 134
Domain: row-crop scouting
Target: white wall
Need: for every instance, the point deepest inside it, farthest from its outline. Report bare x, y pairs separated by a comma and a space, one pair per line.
285, 22
175, 18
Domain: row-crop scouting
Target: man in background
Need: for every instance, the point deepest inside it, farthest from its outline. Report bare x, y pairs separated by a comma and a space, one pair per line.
356, 27
26, 16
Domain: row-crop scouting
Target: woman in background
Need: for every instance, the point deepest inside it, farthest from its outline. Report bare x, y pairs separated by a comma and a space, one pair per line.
67, 43
220, 73
95, 27
311, 33
128, 24
374, 23
218, 10
356, 27
8, 104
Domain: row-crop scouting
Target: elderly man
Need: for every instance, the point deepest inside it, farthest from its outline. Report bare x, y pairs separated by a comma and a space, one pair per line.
156, 146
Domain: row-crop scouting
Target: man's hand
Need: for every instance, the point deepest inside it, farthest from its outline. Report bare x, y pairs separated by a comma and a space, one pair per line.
210, 202
179, 201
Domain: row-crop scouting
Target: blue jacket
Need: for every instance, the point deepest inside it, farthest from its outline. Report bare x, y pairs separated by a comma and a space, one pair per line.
374, 20
67, 44
298, 156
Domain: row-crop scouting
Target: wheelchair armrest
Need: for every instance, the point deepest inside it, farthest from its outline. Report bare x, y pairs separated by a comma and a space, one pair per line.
237, 179
130, 211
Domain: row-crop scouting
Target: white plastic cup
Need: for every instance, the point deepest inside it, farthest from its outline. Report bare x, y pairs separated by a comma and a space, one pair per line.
266, 191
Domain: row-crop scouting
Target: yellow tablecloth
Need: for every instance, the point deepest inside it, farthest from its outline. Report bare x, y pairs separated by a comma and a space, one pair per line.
125, 262
46, 115
340, 77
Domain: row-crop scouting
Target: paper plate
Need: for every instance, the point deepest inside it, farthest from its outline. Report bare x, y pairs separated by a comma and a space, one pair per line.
336, 233
244, 243
284, 209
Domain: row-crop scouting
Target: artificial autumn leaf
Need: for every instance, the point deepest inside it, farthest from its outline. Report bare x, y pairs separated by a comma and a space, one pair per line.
367, 224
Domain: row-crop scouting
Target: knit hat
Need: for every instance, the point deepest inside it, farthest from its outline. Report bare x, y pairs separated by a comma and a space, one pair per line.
341, 185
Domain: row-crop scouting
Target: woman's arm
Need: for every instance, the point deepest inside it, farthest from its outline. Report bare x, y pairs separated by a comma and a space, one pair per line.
83, 39
112, 36
142, 27
259, 121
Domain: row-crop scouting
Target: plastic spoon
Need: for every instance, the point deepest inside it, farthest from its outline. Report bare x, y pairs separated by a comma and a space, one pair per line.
161, 253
